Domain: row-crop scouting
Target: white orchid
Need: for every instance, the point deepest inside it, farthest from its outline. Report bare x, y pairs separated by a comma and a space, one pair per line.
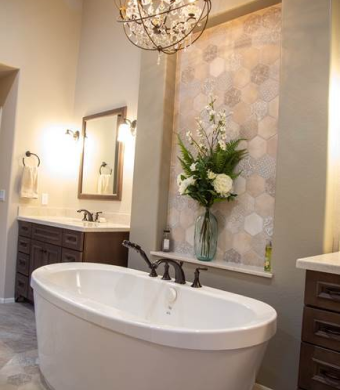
179, 178
216, 155
222, 144
185, 184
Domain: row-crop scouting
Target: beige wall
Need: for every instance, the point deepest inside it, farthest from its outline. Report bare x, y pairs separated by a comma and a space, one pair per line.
301, 181
107, 77
41, 40
9, 89
74, 61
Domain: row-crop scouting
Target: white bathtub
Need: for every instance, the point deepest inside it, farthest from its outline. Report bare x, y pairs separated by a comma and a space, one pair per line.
102, 327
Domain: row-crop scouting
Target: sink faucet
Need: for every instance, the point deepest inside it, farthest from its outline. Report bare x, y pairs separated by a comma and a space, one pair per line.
179, 273
87, 215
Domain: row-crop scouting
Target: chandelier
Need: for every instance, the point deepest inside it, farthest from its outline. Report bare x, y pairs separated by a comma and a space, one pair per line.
166, 26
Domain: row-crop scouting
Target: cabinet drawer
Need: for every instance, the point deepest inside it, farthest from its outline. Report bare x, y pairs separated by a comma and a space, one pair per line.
70, 256
323, 290
322, 328
23, 263
25, 229
24, 245
21, 286
319, 368
73, 240
47, 234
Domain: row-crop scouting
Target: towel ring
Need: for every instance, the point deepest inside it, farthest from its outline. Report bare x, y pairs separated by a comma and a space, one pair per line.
29, 154
104, 165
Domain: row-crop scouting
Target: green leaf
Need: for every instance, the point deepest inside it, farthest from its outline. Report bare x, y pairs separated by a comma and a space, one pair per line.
186, 154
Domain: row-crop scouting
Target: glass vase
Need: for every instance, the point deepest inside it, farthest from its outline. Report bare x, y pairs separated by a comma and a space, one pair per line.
206, 232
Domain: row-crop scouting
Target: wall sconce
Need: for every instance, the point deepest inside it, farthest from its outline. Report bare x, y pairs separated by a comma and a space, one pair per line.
125, 128
74, 134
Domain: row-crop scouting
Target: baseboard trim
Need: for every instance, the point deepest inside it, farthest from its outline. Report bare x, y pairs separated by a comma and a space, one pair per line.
6, 300
260, 387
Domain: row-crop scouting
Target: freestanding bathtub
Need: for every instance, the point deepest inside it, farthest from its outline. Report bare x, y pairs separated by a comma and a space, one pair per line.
102, 327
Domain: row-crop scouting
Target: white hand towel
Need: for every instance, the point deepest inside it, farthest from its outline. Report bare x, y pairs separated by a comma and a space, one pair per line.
104, 185
29, 183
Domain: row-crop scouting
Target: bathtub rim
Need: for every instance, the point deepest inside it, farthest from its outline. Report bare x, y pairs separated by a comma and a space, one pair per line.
106, 317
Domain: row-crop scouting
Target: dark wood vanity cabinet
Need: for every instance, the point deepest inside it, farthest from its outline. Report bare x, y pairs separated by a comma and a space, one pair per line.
320, 347
40, 245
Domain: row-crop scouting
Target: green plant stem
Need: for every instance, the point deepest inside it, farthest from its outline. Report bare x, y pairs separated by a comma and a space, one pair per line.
205, 234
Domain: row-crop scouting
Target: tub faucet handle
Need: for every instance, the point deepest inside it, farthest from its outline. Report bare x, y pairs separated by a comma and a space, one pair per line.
197, 283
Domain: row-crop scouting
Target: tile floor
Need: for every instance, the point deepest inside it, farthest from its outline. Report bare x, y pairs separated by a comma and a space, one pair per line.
19, 368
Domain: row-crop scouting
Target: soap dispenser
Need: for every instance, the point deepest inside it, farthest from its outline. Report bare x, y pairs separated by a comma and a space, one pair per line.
166, 243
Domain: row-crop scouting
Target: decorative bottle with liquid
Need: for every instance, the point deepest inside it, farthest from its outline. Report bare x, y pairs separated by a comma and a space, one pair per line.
268, 257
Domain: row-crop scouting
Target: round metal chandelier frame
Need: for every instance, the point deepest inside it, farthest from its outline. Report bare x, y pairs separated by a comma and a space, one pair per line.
184, 42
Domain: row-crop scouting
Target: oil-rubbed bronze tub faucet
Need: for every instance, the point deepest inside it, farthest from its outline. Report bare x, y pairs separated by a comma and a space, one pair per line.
179, 273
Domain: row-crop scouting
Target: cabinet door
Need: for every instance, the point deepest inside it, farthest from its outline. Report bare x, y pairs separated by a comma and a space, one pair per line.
52, 254
37, 255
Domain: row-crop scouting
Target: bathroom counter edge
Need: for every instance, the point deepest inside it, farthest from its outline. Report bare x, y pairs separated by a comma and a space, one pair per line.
328, 263
59, 223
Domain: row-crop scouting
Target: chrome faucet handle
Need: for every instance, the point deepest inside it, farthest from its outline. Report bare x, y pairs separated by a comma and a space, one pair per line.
197, 283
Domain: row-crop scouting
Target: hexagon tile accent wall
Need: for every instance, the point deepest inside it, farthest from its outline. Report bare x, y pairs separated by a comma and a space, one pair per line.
239, 62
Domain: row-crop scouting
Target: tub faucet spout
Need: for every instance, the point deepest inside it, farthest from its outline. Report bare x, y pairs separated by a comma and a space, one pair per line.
179, 272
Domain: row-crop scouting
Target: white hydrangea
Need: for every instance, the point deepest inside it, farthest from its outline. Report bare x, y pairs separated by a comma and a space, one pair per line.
184, 184
223, 184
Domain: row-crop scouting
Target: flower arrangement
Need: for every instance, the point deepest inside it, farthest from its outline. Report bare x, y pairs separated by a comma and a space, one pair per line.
209, 169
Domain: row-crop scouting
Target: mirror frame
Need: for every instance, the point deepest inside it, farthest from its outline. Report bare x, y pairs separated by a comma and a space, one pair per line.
121, 112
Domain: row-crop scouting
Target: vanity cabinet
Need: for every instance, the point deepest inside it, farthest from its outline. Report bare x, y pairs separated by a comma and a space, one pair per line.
40, 245
320, 347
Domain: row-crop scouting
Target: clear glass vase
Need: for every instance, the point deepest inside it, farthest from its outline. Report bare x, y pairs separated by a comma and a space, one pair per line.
206, 232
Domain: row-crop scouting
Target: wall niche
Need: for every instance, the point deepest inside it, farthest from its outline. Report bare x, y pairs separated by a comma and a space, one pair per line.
238, 62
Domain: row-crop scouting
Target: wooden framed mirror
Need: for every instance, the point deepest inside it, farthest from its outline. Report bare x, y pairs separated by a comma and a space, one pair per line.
102, 159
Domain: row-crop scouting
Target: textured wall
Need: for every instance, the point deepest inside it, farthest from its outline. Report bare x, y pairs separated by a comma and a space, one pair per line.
300, 185
239, 62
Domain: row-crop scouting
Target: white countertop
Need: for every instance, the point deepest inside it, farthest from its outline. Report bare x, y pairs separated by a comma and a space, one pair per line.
329, 263
76, 224
216, 263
